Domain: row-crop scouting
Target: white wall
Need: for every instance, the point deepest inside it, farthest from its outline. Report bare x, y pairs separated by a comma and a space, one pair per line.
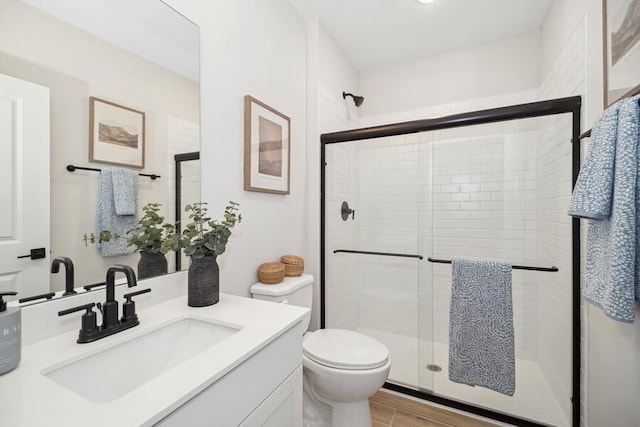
255, 48
506, 66
75, 65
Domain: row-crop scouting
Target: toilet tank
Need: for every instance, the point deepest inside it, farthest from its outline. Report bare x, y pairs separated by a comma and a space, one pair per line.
296, 291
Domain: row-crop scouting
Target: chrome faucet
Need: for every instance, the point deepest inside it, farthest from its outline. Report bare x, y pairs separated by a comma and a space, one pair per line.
110, 322
68, 269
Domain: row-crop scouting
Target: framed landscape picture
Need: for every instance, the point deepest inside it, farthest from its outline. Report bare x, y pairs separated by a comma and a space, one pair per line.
621, 24
116, 134
266, 148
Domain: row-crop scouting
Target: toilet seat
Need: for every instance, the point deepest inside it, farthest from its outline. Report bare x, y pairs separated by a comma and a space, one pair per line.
343, 349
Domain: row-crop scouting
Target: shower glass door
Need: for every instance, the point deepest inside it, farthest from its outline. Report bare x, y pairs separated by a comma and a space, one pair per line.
500, 193
374, 274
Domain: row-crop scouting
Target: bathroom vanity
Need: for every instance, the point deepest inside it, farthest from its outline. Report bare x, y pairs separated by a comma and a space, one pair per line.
238, 362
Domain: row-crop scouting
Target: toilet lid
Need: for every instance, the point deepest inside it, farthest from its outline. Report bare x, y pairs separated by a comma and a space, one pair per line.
339, 348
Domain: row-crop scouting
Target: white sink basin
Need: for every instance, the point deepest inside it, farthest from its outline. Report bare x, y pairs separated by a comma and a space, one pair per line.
114, 372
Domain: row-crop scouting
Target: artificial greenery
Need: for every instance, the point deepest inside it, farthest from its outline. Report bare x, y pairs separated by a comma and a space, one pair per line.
148, 235
204, 236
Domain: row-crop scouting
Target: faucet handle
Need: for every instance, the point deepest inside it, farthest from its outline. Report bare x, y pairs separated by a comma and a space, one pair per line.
94, 285
88, 307
129, 306
133, 294
89, 323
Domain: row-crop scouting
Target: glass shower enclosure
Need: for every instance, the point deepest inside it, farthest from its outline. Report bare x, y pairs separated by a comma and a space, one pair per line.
400, 201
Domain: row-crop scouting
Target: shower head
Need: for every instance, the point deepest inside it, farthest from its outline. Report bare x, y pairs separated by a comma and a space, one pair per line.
358, 100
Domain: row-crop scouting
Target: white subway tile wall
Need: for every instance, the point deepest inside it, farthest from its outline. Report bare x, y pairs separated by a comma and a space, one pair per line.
566, 78
485, 209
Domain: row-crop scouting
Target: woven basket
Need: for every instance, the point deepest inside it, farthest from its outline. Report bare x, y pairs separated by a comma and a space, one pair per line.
293, 265
271, 273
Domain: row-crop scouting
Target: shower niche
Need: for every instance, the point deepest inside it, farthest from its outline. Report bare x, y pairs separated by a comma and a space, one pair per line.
487, 185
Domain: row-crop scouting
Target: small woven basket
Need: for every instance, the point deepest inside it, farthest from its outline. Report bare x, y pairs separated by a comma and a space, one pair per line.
271, 273
293, 265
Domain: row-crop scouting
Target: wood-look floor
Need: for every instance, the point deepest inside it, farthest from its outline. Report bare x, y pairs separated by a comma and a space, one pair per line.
391, 410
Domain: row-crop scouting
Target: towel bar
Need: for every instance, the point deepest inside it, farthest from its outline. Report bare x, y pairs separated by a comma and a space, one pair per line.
553, 268
72, 168
348, 251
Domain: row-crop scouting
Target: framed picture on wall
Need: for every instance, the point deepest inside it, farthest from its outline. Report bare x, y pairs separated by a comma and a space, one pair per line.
116, 134
621, 24
266, 148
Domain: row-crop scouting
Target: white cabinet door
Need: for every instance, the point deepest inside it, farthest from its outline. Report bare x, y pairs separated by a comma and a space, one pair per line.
283, 407
24, 185
234, 397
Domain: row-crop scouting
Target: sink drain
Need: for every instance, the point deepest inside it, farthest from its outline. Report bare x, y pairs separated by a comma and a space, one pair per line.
434, 368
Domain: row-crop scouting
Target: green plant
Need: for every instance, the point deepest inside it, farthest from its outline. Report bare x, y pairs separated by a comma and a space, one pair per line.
150, 232
204, 236
148, 235
103, 236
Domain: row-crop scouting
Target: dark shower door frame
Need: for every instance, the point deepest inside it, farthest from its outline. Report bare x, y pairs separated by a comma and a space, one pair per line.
179, 158
551, 107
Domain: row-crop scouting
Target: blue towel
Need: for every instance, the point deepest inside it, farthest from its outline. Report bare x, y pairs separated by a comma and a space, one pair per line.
611, 198
593, 192
125, 191
481, 340
108, 220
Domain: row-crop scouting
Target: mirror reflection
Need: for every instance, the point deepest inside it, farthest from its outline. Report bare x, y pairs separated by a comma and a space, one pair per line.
55, 56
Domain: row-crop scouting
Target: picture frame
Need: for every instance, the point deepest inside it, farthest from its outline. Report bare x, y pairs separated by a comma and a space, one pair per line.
267, 159
116, 134
621, 41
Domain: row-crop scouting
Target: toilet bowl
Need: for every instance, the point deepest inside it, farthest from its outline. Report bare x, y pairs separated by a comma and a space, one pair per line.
342, 368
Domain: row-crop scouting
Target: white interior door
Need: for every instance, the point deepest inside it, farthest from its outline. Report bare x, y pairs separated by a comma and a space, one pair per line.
24, 186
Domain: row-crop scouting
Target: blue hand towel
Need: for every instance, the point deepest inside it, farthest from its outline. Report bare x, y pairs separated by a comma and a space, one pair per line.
612, 281
593, 192
125, 191
108, 220
481, 339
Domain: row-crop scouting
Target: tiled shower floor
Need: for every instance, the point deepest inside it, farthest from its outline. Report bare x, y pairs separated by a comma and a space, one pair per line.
533, 398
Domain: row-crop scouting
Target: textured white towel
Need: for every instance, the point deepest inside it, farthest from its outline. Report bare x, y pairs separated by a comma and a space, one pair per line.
108, 220
481, 340
125, 191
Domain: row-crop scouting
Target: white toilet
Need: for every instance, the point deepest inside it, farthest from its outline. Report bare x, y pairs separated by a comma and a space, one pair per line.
342, 368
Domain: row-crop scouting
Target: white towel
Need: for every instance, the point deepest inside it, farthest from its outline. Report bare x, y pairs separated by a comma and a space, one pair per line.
125, 191
481, 339
108, 220
608, 192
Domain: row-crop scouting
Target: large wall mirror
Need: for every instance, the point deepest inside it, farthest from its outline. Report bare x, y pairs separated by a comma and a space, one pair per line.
55, 56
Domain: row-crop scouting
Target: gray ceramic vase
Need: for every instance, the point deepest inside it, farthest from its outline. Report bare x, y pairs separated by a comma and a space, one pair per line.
204, 282
151, 265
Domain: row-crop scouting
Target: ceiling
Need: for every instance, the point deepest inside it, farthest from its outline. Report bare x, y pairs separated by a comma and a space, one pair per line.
147, 28
376, 34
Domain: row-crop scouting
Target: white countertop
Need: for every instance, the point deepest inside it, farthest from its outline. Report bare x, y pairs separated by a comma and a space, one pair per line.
28, 398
